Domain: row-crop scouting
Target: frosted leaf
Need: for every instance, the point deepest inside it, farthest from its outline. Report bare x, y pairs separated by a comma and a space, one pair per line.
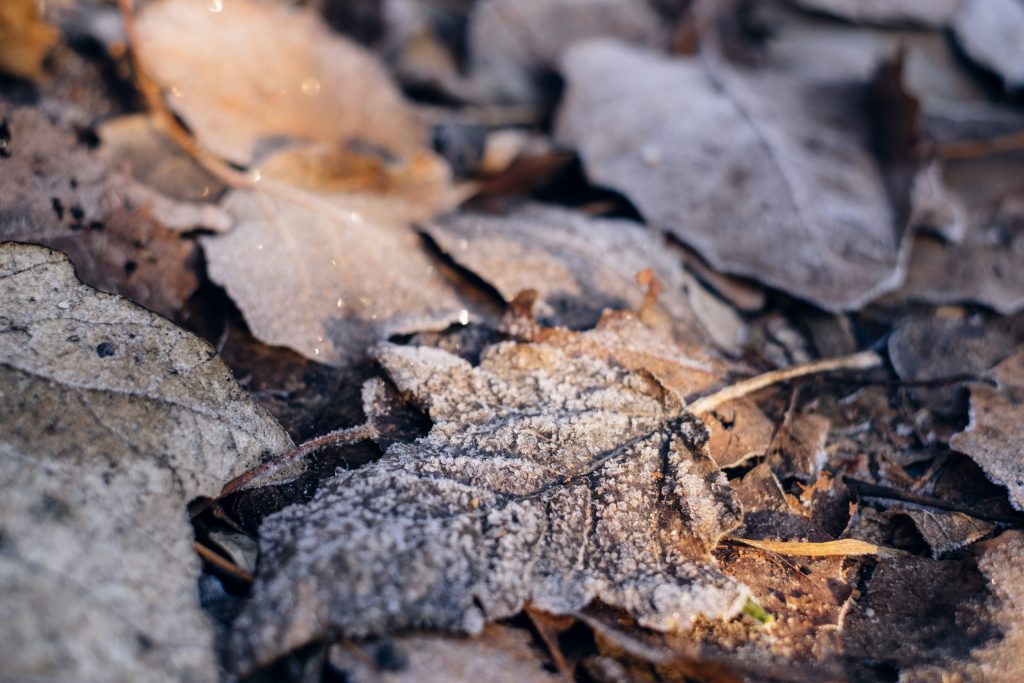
553, 474
784, 190
113, 420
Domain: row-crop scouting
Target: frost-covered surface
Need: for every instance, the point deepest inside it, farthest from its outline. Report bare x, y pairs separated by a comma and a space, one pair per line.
113, 420
551, 475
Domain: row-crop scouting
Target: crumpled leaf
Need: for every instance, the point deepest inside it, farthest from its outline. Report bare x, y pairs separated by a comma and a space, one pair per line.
114, 419
784, 191
933, 13
994, 438
514, 47
580, 266
55, 192
25, 38
551, 475
946, 531
328, 264
500, 654
224, 62
991, 33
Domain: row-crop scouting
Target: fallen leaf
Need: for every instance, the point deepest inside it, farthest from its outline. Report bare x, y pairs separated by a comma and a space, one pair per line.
958, 619
243, 71
322, 258
514, 47
980, 257
25, 38
154, 159
935, 13
499, 654
994, 438
739, 431
932, 348
786, 192
550, 475
946, 531
580, 266
845, 547
114, 419
991, 32
799, 446
55, 192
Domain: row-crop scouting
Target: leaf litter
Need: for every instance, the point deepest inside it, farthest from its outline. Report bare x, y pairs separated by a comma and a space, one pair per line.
468, 420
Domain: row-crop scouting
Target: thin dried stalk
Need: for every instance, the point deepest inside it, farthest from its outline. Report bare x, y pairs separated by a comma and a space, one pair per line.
857, 361
846, 547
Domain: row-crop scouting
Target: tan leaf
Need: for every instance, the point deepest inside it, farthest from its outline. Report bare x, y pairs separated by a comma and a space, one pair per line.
322, 257
243, 71
25, 38
114, 419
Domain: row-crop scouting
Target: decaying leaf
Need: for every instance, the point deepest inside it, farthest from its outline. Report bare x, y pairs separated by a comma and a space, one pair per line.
25, 38
55, 192
552, 475
784, 190
514, 47
995, 436
946, 531
580, 266
991, 33
952, 620
941, 348
114, 419
244, 71
328, 263
500, 654
739, 431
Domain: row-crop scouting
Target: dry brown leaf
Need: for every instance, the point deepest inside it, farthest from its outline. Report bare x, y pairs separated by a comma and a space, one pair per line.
55, 192
785, 191
25, 38
328, 264
994, 438
799, 446
244, 71
991, 32
551, 475
500, 654
580, 266
114, 419
947, 531
944, 620
739, 431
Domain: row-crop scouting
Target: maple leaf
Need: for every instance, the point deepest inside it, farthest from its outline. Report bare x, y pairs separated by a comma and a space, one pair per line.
113, 420
552, 475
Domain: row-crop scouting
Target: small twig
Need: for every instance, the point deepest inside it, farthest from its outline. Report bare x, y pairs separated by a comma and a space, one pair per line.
340, 437
221, 563
857, 361
845, 547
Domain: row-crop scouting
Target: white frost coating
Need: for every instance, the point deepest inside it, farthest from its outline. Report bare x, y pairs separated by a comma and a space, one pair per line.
550, 476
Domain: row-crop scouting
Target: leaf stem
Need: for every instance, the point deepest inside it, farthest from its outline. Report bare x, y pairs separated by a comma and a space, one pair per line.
856, 361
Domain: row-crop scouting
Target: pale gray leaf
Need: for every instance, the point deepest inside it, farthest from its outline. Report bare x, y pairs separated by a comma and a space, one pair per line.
114, 419
991, 32
784, 191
